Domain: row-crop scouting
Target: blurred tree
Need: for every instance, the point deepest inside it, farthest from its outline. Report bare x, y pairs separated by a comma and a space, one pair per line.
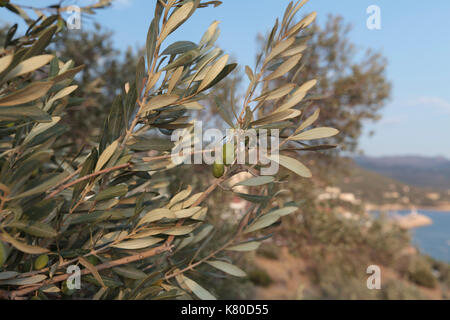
105, 72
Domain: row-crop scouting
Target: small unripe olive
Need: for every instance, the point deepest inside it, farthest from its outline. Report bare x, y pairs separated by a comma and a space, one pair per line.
92, 259
218, 169
65, 289
228, 153
2, 254
41, 262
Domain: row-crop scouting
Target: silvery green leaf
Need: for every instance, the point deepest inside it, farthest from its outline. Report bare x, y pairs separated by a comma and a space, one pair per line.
24, 281
130, 272
248, 246
179, 47
256, 181
137, 243
5, 275
227, 268
198, 290
262, 222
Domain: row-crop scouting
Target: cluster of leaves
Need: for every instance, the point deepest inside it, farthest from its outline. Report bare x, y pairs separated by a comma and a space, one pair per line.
107, 209
352, 87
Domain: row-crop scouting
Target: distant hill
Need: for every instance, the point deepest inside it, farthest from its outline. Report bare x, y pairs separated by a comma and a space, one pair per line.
428, 172
373, 187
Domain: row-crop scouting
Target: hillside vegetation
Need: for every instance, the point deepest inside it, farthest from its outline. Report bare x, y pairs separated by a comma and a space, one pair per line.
419, 171
378, 189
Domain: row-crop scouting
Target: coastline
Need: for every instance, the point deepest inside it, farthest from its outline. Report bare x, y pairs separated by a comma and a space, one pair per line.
433, 240
444, 208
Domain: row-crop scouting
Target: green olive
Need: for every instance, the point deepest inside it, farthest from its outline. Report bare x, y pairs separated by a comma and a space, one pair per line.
65, 289
41, 262
228, 153
218, 169
3, 254
93, 260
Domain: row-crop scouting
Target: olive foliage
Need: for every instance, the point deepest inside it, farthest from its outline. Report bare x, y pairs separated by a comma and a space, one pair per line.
107, 207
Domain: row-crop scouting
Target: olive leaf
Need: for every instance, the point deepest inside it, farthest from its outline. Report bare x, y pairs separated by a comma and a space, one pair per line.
303, 23
284, 211
309, 121
40, 128
208, 35
177, 18
292, 164
29, 65
112, 192
256, 181
179, 47
29, 93
130, 272
277, 117
279, 48
137, 243
227, 268
140, 73
179, 231
41, 43
152, 35
159, 102
18, 113
262, 222
198, 290
21, 246
24, 281
174, 79
34, 228
297, 96
285, 67
92, 269
316, 133
5, 275
248, 246
277, 92
180, 196
213, 72
106, 155
5, 62
294, 50
147, 144
43, 187
186, 213
155, 215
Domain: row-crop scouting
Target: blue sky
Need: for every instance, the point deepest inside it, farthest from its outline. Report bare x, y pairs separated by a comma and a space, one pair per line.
414, 36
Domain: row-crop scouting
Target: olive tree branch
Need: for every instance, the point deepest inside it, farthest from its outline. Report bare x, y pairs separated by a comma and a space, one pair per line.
94, 174
107, 265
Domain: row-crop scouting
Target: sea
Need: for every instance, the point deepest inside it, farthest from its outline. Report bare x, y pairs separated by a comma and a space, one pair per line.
434, 239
